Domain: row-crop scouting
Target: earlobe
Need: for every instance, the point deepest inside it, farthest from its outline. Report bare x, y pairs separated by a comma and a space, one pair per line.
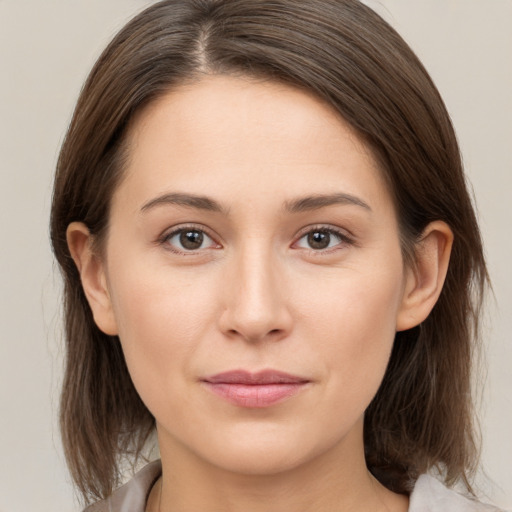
92, 275
424, 282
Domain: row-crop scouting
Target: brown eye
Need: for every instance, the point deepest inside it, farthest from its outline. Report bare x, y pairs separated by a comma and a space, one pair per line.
189, 239
319, 239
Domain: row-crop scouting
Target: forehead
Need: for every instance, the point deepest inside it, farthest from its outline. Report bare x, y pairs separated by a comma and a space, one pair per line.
222, 133
217, 105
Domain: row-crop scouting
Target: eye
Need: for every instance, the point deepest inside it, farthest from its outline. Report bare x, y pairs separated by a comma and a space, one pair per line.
321, 239
189, 239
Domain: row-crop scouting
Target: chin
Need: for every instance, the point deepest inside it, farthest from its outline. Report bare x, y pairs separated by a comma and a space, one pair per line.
264, 452
258, 461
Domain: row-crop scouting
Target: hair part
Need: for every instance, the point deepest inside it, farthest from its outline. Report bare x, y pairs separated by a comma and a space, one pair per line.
345, 54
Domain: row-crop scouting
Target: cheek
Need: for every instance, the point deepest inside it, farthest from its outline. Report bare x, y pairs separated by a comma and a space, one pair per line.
162, 319
358, 323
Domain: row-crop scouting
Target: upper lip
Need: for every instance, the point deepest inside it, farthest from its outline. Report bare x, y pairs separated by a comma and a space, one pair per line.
255, 378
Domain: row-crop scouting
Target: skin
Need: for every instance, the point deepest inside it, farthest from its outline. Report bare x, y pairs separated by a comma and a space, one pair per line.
256, 294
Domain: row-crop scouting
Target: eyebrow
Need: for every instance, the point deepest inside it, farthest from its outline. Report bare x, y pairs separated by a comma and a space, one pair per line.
317, 201
303, 204
187, 200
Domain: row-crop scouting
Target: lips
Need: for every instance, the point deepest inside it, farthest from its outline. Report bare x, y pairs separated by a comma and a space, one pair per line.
255, 390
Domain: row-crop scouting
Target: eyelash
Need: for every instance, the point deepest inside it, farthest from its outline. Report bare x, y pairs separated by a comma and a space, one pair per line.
168, 236
343, 239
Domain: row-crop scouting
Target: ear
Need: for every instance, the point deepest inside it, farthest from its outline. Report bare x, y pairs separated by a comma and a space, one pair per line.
93, 277
424, 281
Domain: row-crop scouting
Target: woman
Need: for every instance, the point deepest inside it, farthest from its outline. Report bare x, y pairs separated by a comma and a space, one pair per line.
271, 258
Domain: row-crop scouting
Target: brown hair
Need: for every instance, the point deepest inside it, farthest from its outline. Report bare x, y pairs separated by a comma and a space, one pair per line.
348, 56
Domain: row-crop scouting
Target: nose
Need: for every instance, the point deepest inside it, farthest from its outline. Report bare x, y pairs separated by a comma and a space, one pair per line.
255, 305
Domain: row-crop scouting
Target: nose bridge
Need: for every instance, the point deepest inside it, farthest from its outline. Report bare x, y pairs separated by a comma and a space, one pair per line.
256, 305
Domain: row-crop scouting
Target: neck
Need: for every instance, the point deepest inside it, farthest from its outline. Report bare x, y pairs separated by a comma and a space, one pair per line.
336, 480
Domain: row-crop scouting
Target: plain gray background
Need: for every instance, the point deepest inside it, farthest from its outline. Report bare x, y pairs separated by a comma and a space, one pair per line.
46, 51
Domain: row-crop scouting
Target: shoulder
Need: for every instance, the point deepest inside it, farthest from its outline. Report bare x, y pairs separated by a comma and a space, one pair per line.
132, 496
430, 495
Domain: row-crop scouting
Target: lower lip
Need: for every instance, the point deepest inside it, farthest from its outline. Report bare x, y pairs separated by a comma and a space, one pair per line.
255, 395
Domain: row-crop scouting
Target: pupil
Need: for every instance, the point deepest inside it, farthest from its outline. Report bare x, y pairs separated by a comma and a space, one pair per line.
191, 239
319, 240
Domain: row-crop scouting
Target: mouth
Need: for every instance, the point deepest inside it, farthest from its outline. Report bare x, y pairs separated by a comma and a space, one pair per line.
255, 390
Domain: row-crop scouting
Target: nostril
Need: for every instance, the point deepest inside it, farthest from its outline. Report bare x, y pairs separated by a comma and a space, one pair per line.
272, 334
254, 320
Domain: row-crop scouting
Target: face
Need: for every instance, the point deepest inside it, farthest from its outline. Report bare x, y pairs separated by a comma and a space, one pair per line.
254, 271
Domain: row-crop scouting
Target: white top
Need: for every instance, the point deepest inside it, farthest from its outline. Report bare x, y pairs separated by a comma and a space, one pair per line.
429, 495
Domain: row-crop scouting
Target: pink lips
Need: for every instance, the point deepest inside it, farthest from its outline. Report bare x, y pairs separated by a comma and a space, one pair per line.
256, 390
